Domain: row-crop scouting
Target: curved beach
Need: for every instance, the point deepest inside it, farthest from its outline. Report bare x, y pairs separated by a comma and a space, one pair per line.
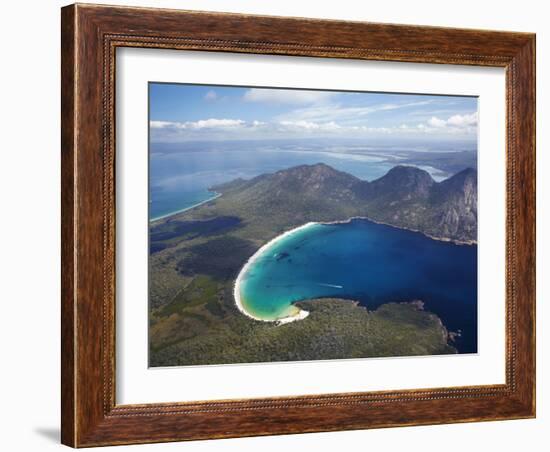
301, 314
389, 236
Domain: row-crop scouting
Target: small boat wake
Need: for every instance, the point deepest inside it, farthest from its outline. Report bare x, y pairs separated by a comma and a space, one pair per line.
331, 285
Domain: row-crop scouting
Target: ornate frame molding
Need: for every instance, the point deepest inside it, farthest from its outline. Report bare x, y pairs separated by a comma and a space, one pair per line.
90, 37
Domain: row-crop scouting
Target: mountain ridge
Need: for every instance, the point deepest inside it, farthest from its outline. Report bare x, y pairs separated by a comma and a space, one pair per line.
406, 197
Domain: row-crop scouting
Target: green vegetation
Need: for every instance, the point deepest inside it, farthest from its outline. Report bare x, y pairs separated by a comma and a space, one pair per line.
172, 232
334, 329
230, 252
196, 255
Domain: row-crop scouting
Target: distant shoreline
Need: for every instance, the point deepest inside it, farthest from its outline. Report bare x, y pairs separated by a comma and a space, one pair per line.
171, 214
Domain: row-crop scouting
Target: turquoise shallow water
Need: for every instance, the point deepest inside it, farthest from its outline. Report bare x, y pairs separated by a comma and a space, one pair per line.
370, 263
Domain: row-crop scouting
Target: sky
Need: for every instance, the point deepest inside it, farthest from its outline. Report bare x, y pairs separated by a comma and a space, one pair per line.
181, 113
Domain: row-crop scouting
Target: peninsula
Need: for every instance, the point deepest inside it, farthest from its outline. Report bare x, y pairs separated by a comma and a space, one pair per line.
196, 257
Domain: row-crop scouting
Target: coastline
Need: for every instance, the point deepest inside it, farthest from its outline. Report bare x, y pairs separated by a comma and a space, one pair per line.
176, 212
433, 237
301, 314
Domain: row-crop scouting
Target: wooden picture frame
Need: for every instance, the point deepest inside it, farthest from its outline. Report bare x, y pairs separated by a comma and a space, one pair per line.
90, 36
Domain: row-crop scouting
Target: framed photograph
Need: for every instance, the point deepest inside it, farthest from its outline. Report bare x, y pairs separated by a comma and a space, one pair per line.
282, 225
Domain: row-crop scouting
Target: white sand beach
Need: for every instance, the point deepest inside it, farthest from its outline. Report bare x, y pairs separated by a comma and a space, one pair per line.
301, 313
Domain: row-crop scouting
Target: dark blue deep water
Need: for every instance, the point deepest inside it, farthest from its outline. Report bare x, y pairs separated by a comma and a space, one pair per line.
370, 263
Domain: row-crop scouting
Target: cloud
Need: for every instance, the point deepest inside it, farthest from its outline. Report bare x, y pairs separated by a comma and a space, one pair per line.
211, 123
206, 129
304, 125
286, 96
385, 107
210, 95
465, 124
226, 129
463, 120
336, 112
160, 124
436, 122
308, 126
457, 121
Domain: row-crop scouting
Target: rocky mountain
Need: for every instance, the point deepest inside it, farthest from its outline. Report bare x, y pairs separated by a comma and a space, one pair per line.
456, 202
290, 197
406, 197
401, 183
311, 181
409, 197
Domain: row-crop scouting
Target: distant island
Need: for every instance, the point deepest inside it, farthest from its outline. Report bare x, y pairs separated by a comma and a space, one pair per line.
195, 257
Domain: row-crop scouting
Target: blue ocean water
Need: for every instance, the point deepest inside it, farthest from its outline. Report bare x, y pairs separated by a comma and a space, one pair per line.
370, 263
179, 180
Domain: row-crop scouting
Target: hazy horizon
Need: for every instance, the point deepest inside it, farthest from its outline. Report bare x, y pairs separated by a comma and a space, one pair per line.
181, 113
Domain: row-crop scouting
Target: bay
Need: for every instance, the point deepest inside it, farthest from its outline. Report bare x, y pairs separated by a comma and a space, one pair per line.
367, 262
